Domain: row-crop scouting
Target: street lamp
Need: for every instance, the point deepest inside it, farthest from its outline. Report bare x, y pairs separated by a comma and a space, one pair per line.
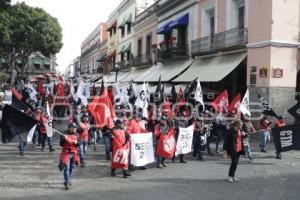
117, 70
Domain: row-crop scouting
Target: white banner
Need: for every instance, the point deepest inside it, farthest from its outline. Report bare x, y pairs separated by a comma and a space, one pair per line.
31, 133
142, 152
185, 140
49, 127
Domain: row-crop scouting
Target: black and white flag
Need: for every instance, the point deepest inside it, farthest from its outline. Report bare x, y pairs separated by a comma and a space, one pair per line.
295, 112
266, 108
287, 138
142, 101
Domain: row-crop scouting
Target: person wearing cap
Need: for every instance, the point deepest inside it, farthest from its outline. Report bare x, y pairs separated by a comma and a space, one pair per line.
135, 127
247, 128
83, 131
234, 147
162, 128
69, 154
42, 120
119, 136
280, 122
184, 120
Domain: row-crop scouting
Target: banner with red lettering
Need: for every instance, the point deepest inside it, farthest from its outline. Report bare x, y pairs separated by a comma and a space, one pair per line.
166, 145
120, 153
220, 104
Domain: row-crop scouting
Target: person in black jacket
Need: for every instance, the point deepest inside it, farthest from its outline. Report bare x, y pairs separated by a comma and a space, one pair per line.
234, 147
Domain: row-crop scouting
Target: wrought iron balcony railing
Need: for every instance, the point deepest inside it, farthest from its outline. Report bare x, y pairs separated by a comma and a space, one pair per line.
141, 60
232, 39
228, 40
173, 51
203, 46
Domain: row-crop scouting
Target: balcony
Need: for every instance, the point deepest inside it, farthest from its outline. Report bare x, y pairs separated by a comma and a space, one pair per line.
173, 51
231, 39
203, 46
225, 41
141, 60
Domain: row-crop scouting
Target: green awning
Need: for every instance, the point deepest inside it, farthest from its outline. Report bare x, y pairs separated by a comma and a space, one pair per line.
47, 62
129, 19
19, 61
37, 62
122, 49
101, 58
127, 48
122, 25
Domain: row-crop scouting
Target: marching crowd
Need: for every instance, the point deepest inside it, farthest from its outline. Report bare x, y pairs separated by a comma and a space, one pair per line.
234, 129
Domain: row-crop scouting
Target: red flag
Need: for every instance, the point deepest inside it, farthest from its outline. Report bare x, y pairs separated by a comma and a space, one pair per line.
102, 110
167, 107
221, 102
120, 154
235, 103
16, 94
166, 146
40, 88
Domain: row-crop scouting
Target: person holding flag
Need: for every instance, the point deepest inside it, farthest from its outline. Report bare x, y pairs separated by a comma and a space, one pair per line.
69, 154
247, 128
162, 129
120, 150
265, 126
135, 126
83, 130
42, 130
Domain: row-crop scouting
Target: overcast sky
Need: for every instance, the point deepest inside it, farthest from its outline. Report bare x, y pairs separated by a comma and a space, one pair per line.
77, 18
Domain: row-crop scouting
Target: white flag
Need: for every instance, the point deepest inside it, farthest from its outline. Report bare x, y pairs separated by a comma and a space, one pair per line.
72, 91
142, 152
142, 100
49, 127
83, 92
118, 95
30, 133
244, 106
185, 140
199, 94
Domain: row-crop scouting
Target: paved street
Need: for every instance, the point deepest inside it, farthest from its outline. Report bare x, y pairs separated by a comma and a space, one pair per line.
36, 176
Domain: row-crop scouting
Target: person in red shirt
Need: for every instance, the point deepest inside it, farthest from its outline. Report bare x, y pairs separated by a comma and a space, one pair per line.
42, 120
233, 146
119, 137
134, 127
279, 123
69, 154
83, 130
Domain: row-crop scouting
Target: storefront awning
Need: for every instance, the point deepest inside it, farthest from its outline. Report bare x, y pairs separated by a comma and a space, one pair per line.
37, 62
101, 58
129, 19
125, 48
212, 69
114, 25
164, 28
134, 74
180, 21
168, 71
47, 62
122, 25
111, 78
111, 54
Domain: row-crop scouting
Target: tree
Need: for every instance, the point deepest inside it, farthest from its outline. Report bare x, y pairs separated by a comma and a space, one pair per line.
4, 4
24, 30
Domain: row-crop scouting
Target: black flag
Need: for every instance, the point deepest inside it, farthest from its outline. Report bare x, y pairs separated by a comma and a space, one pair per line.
287, 138
174, 95
295, 112
158, 92
15, 122
266, 108
131, 94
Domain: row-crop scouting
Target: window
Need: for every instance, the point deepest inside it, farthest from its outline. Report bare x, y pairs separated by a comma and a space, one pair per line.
139, 47
115, 30
128, 28
128, 55
122, 31
37, 66
148, 44
47, 67
241, 17
208, 22
122, 57
253, 75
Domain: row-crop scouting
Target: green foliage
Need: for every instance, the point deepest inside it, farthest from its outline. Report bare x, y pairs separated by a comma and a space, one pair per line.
24, 30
